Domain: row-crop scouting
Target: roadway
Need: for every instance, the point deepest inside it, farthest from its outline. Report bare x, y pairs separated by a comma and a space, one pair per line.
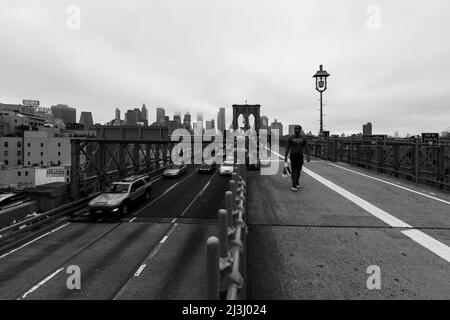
156, 252
318, 242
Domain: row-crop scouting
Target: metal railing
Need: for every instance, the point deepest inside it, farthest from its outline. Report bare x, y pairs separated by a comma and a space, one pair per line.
15, 232
226, 255
405, 158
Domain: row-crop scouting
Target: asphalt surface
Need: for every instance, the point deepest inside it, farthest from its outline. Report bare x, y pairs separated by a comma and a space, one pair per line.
156, 252
317, 243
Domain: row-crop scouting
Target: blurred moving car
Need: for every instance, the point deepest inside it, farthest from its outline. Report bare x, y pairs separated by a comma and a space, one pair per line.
207, 168
227, 168
118, 197
175, 170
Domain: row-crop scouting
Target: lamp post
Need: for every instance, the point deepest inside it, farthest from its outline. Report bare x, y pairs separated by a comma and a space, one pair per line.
321, 85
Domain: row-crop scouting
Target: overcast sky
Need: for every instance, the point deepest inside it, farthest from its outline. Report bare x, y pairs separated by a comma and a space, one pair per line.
199, 55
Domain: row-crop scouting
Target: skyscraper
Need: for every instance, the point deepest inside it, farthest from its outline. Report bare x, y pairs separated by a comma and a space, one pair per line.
221, 120
187, 121
277, 126
160, 116
131, 118
264, 122
86, 119
144, 112
117, 114
367, 128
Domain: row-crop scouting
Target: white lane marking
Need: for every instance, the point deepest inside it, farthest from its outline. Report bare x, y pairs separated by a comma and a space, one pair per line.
393, 184
164, 239
141, 268
42, 283
156, 249
198, 195
38, 238
173, 220
377, 212
430, 243
418, 236
133, 219
165, 192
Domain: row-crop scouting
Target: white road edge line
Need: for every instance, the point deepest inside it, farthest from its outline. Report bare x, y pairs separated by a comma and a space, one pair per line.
430, 243
133, 219
41, 283
375, 211
392, 184
165, 192
198, 195
38, 238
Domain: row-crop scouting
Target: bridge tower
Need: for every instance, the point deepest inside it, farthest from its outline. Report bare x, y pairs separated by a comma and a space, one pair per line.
246, 110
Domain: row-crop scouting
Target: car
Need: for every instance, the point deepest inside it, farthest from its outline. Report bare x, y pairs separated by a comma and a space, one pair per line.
227, 168
175, 170
207, 168
120, 195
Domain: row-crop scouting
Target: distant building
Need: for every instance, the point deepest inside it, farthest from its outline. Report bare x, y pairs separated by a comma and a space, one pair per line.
187, 121
264, 122
21, 178
86, 119
367, 128
395, 134
277, 126
208, 125
221, 120
160, 116
144, 112
64, 112
292, 129
117, 114
177, 118
44, 147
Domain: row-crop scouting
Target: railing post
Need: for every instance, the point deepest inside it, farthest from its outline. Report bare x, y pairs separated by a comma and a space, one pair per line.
212, 269
223, 233
229, 207
417, 150
233, 191
75, 169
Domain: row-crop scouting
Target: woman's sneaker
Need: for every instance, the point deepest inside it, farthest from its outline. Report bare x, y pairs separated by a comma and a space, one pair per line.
294, 189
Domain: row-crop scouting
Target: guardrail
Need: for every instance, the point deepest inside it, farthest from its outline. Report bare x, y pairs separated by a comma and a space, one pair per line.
226, 255
405, 158
15, 230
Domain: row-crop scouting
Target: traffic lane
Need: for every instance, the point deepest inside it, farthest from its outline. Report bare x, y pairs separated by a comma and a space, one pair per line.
211, 200
105, 266
174, 202
178, 271
412, 208
332, 263
274, 203
35, 261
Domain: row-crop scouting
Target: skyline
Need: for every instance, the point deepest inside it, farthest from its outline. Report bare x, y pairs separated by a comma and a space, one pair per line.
201, 56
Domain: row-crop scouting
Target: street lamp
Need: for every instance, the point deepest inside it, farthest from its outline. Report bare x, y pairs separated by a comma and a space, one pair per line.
321, 85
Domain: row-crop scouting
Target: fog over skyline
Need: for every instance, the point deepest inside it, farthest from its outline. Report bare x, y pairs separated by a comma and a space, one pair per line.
200, 55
